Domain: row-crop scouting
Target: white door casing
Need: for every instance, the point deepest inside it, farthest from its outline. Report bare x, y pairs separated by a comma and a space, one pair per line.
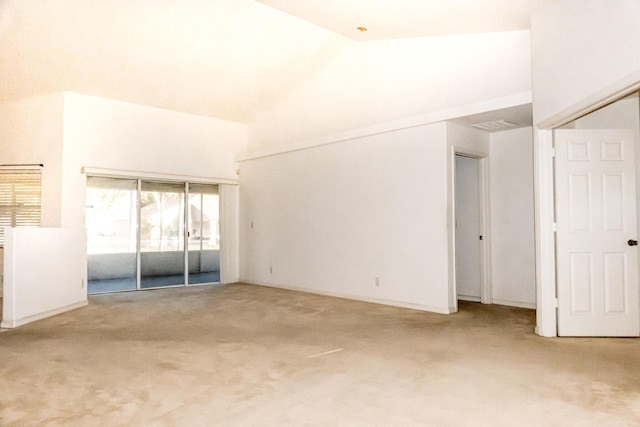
468, 228
597, 269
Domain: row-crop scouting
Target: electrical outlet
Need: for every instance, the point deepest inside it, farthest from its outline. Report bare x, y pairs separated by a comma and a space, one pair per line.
377, 281
270, 269
81, 283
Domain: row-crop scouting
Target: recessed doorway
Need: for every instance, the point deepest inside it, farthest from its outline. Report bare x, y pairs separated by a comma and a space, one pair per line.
470, 206
468, 229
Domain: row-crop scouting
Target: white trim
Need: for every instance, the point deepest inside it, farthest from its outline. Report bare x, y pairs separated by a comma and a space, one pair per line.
485, 222
485, 226
119, 173
605, 96
413, 306
22, 167
452, 289
519, 304
515, 100
468, 298
39, 316
546, 316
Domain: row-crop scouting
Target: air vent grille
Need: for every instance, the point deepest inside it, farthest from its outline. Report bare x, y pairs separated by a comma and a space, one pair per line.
495, 125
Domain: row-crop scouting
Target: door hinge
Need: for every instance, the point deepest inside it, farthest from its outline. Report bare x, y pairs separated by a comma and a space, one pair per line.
553, 152
556, 303
554, 227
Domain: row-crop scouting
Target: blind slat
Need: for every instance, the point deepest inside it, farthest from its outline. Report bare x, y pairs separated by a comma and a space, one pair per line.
20, 198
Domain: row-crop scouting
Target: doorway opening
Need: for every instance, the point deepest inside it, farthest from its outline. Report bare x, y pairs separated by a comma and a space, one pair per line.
470, 216
144, 234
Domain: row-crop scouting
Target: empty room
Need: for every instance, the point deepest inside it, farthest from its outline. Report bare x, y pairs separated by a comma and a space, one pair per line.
350, 213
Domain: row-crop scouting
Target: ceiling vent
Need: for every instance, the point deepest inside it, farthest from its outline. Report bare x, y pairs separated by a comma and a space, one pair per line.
495, 125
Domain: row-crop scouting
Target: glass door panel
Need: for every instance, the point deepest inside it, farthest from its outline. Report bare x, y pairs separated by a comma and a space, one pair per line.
111, 212
204, 234
162, 258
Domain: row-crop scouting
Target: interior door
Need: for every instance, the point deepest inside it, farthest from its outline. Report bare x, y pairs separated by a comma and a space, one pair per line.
467, 210
597, 260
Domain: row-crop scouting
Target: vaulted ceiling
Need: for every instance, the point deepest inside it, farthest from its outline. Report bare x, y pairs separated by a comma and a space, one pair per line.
391, 19
229, 59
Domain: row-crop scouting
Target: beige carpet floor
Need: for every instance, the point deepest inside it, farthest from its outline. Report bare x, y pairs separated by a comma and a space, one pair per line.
242, 355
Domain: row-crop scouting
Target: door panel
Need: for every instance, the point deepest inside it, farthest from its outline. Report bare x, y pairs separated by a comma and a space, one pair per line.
111, 206
162, 256
467, 210
204, 234
596, 216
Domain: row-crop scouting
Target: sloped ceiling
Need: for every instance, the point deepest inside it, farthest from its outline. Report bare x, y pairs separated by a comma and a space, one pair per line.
223, 58
229, 59
390, 19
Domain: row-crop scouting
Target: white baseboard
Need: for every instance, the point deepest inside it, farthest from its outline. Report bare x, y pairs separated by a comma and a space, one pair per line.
43, 315
468, 298
413, 306
514, 303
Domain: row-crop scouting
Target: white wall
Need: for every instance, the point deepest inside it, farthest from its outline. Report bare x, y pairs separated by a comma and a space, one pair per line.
624, 114
67, 132
31, 132
40, 279
468, 140
333, 218
512, 218
580, 47
229, 233
381, 81
107, 134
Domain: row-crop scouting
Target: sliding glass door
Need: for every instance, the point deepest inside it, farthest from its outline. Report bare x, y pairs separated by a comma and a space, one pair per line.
111, 219
162, 234
149, 234
204, 234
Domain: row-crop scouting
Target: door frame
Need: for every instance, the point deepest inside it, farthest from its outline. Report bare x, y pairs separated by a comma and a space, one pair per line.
544, 197
485, 225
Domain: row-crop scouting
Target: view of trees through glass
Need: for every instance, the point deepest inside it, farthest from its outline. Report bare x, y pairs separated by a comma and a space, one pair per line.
115, 207
111, 215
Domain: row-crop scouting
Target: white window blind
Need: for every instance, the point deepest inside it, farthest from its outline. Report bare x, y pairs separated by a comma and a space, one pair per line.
20, 198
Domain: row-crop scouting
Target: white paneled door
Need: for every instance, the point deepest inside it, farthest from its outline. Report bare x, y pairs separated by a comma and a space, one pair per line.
468, 229
597, 252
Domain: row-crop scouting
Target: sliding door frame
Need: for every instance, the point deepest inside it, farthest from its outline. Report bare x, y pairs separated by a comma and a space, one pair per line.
226, 188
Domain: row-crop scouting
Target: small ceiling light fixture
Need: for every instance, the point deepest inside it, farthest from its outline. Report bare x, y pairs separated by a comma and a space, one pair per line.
361, 29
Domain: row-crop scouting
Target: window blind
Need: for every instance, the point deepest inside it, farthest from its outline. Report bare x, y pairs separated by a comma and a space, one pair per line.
20, 198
